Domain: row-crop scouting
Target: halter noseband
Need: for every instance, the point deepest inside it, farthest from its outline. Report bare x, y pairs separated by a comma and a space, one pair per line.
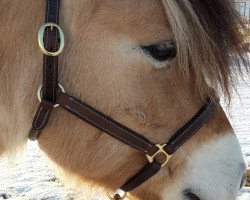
51, 43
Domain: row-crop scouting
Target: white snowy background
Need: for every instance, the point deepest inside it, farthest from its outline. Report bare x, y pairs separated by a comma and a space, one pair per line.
33, 178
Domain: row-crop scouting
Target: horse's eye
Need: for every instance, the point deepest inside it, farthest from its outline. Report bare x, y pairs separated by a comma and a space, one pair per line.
161, 51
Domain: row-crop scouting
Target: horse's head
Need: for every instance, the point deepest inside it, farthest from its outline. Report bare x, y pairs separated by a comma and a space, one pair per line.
150, 65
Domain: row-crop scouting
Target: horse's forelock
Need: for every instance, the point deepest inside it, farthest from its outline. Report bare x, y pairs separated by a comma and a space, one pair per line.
209, 40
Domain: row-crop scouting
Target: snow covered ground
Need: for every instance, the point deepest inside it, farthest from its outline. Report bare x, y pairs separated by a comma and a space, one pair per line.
35, 179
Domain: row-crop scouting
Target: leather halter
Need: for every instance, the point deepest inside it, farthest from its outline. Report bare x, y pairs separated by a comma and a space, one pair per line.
51, 41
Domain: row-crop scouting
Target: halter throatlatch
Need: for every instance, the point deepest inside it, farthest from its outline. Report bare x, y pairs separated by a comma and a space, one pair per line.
51, 43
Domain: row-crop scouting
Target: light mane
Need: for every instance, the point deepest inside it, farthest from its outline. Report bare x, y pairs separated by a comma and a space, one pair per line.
209, 42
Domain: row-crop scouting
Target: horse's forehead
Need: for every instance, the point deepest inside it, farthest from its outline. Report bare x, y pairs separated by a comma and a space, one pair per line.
129, 6
130, 17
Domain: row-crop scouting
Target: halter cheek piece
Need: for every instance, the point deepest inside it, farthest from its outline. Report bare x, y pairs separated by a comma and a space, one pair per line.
51, 43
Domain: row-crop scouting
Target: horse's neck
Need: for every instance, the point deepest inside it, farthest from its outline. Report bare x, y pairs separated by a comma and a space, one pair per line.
20, 62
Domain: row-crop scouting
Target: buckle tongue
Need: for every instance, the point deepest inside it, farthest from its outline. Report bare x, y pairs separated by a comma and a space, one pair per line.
41, 39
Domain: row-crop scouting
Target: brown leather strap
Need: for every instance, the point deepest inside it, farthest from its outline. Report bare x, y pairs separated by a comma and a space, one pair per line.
41, 119
127, 136
142, 176
106, 124
50, 70
51, 42
191, 127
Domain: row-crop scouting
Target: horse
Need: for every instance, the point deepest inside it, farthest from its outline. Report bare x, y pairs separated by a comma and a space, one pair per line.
148, 64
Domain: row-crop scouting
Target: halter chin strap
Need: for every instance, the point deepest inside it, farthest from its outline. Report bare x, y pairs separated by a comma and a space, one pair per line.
51, 42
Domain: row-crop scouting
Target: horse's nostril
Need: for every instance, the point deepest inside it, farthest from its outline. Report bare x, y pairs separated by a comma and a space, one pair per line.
191, 196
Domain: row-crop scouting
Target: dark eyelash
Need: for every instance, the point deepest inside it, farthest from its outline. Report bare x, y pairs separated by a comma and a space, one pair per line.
161, 51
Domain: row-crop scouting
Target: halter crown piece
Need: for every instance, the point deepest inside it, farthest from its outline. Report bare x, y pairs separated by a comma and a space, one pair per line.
52, 94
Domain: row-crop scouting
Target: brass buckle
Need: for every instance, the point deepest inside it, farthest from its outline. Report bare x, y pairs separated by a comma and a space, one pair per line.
160, 151
41, 41
119, 195
39, 93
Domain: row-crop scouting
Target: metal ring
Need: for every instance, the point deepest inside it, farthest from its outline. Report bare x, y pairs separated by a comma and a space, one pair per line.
39, 93
160, 151
41, 39
121, 193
